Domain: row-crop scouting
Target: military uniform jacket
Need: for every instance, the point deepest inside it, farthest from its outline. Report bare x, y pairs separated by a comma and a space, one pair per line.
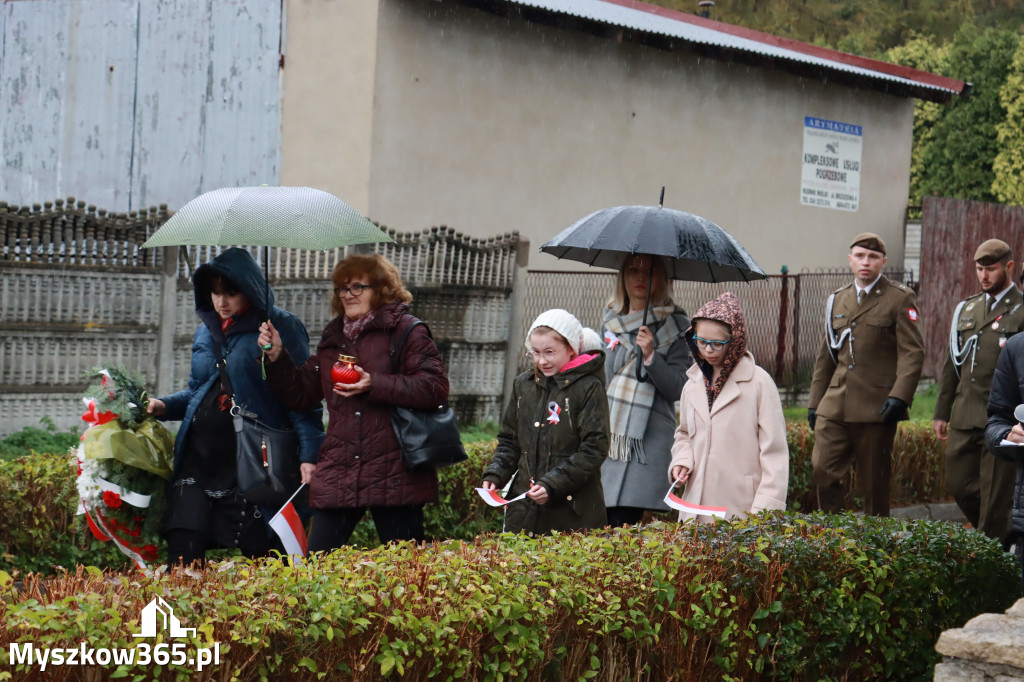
965, 397
881, 356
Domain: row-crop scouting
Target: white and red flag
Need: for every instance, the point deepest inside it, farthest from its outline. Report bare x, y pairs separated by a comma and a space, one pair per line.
676, 502
288, 526
494, 498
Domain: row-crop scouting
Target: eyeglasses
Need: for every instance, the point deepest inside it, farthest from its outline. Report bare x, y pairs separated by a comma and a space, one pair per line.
541, 353
714, 345
353, 289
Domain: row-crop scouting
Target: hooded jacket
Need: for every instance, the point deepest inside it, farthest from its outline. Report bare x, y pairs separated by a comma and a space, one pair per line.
361, 461
555, 431
735, 448
239, 344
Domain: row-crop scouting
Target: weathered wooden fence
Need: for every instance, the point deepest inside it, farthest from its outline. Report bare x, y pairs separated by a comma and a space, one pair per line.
77, 292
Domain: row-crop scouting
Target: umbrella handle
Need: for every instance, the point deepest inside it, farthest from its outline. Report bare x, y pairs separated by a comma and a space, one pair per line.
640, 354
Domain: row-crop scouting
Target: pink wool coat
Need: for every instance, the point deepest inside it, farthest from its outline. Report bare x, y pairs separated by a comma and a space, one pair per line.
737, 452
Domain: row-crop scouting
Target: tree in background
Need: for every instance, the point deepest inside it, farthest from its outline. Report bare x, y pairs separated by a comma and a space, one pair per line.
921, 52
864, 27
1009, 163
960, 149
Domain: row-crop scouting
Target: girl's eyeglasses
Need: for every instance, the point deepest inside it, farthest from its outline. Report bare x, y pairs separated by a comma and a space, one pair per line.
706, 343
353, 289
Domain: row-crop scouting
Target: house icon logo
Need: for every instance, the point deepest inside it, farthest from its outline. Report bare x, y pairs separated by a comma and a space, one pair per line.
158, 611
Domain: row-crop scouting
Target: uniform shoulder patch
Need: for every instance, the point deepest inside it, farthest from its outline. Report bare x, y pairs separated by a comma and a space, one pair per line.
912, 314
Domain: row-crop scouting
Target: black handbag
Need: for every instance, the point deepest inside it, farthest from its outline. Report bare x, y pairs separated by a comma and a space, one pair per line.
429, 438
267, 459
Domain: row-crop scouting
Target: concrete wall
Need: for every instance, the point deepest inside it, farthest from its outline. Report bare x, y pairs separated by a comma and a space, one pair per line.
491, 124
330, 56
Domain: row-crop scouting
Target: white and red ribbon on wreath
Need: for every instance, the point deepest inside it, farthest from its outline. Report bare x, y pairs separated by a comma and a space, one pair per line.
96, 493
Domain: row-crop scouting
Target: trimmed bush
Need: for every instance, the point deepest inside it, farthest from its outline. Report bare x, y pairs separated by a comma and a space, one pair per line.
781, 596
38, 495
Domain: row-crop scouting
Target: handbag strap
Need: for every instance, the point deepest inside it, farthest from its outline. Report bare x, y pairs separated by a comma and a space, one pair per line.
397, 353
222, 366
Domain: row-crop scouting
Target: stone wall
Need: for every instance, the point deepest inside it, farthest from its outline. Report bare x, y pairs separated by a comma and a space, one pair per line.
990, 647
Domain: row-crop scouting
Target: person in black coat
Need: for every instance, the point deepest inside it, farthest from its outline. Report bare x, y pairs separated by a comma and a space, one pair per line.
1004, 434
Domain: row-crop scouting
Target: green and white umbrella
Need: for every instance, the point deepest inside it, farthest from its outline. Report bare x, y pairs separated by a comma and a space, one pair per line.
291, 217
295, 217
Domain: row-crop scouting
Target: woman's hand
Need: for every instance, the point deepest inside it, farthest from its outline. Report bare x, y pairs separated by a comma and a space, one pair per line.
645, 342
680, 473
361, 386
269, 335
306, 470
156, 407
538, 493
488, 485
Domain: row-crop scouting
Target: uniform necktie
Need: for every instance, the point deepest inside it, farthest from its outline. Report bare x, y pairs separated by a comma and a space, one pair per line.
860, 296
992, 303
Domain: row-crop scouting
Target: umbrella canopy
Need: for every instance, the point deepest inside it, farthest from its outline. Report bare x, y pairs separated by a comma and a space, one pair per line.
695, 249
295, 217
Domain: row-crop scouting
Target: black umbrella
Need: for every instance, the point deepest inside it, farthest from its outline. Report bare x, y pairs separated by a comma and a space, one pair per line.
693, 248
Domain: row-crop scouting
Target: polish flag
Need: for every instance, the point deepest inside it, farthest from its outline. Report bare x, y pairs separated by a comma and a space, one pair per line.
676, 502
493, 498
289, 528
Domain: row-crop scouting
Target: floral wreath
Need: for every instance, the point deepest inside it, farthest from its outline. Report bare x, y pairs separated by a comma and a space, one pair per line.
125, 461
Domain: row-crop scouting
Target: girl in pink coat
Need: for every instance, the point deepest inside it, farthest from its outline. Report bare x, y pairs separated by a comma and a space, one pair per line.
730, 446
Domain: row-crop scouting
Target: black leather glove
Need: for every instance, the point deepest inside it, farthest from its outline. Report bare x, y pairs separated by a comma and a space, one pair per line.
812, 417
893, 410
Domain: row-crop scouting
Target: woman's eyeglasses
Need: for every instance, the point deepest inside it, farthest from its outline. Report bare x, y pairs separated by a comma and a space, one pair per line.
706, 343
353, 289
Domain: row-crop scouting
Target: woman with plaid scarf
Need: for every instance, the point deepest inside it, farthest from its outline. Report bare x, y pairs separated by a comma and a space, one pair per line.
642, 414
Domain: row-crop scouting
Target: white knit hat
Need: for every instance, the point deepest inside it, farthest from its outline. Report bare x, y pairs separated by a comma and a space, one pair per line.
563, 322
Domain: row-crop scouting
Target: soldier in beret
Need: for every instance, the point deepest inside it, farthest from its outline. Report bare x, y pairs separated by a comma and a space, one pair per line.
864, 380
981, 484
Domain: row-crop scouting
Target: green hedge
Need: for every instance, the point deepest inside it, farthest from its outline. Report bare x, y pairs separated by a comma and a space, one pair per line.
782, 596
38, 497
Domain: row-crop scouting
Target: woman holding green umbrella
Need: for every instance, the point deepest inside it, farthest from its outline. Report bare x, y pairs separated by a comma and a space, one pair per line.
642, 410
205, 509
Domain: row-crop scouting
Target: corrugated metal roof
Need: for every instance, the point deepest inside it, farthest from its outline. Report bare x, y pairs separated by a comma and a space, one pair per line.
650, 19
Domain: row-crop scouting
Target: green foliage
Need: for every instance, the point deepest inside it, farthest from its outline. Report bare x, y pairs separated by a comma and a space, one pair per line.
41, 531
119, 392
32, 439
1008, 166
866, 27
772, 597
960, 154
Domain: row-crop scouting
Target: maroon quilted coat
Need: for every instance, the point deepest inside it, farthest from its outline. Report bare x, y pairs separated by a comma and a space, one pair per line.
360, 461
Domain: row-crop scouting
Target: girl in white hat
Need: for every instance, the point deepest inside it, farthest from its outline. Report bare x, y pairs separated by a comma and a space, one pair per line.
554, 435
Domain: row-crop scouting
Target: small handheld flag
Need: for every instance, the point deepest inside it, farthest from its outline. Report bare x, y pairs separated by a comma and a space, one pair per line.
493, 498
676, 502
288, 526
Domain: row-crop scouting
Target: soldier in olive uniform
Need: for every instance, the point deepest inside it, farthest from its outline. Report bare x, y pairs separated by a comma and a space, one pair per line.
981, 484
864, 380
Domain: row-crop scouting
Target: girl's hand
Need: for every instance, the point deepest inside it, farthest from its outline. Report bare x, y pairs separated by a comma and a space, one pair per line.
680, 473
361, 386
269, 336
156, 407
645, 341
306, 470
488, 485
538, 493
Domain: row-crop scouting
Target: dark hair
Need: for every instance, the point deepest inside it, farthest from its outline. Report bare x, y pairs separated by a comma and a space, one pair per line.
384, 280
218, 283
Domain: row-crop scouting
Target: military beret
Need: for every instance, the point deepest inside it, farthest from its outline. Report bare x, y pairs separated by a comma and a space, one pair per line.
869, 240
991, 251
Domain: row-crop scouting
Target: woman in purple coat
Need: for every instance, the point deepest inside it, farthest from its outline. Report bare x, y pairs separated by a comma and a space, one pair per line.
360, 464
